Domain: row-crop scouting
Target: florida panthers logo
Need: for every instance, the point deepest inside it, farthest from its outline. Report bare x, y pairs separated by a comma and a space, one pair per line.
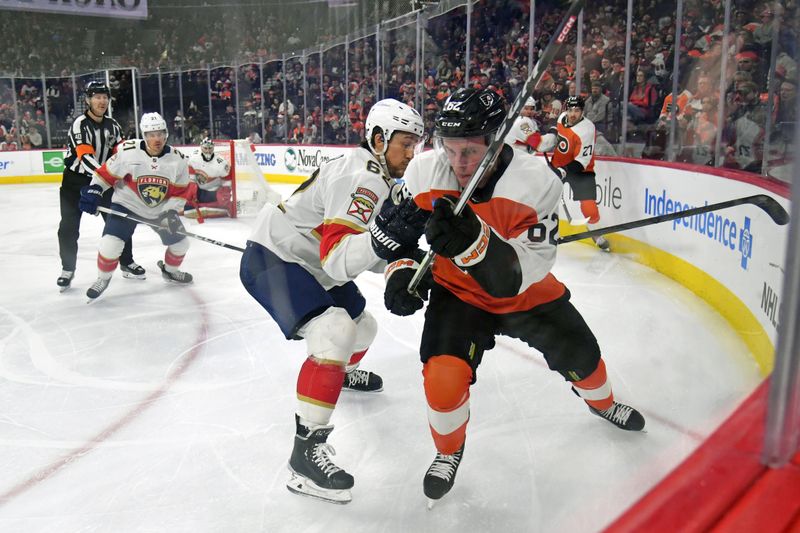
152, 189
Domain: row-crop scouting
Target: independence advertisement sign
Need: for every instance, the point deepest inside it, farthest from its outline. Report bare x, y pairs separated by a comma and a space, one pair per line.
136, 9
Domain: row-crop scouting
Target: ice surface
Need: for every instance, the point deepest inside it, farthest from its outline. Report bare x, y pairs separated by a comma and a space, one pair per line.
170, 408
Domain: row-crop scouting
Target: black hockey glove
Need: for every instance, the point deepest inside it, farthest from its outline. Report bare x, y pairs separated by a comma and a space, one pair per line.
398, 275
397, 228
450, 235
171, 222
560, 172
90, 199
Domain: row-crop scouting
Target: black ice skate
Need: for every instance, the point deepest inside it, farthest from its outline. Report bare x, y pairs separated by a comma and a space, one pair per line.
602, 243
313, 472
133, 271
97, 288
362, 381
65, 280
175, 277
441, 475
622, 416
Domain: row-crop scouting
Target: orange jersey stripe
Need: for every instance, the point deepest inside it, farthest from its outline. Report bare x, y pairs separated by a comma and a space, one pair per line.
508, 219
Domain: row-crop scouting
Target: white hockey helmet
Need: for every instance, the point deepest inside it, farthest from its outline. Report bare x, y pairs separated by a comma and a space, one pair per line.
207, 147
152, 122
391, 116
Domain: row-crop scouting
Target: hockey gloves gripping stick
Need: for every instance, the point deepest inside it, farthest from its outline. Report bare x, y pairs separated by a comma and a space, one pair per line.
171, 223
398, 275
463, 238
398, 226
90, 198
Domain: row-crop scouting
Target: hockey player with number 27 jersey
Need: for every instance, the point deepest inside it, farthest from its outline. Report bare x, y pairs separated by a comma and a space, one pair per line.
150, 180
300, 263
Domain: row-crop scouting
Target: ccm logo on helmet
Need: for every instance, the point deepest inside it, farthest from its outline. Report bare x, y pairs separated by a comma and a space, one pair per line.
451, 124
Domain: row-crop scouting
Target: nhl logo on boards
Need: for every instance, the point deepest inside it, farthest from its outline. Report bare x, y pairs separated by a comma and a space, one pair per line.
152, 189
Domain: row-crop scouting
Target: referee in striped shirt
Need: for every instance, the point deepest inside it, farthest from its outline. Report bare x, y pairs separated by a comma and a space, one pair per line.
93, 138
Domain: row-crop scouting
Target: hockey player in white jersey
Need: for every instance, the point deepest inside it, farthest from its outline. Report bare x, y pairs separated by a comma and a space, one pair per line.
524, 133
150, 180
300, 263
211, 172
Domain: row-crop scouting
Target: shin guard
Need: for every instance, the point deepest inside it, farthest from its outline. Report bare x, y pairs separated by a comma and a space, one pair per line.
447, 380
318, 386
596, 389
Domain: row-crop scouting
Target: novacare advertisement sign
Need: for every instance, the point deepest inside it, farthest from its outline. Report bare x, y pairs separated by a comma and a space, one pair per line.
295, 163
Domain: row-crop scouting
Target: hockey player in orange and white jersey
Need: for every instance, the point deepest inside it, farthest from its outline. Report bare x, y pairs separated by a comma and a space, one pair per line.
572, 142
491, 276
300, 263
212, 175
150, 180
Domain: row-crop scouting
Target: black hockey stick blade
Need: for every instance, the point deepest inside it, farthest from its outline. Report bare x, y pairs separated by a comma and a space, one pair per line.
770, 206
158, 226
538, 71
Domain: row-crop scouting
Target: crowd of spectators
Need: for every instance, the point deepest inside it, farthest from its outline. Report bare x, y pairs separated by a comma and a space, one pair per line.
327, 101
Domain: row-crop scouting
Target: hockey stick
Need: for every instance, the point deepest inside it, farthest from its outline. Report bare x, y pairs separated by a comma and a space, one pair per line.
770, 206
158, 226
547, 57
572, 220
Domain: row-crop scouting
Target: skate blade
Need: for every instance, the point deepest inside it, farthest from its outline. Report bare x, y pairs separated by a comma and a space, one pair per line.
345, 389
305, 487
133, 276
431, 503
63, 289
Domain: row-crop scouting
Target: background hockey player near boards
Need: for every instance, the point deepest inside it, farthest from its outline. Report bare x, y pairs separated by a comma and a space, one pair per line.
150, 180
491, 276
91, 140
300, 263
572, 142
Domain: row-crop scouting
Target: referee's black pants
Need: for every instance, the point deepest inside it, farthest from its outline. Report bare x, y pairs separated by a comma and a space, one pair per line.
69, 228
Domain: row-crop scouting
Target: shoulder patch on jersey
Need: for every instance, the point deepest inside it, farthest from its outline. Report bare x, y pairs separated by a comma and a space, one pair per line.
152, 189
363, 204
368, 193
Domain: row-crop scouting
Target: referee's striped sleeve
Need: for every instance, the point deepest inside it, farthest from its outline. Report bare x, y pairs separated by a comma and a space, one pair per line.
86, 153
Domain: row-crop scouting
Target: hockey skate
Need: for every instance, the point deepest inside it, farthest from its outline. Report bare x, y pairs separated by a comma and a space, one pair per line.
622, 416
313, 472
441, 476
175, 277
65, 280
362, 381
602, 243
133, 271
97, 288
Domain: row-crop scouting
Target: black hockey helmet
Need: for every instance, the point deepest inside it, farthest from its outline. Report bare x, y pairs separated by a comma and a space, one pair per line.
471, 112
96, 87
574, 101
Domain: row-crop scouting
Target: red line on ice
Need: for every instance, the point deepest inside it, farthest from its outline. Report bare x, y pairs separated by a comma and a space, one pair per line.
92, 443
